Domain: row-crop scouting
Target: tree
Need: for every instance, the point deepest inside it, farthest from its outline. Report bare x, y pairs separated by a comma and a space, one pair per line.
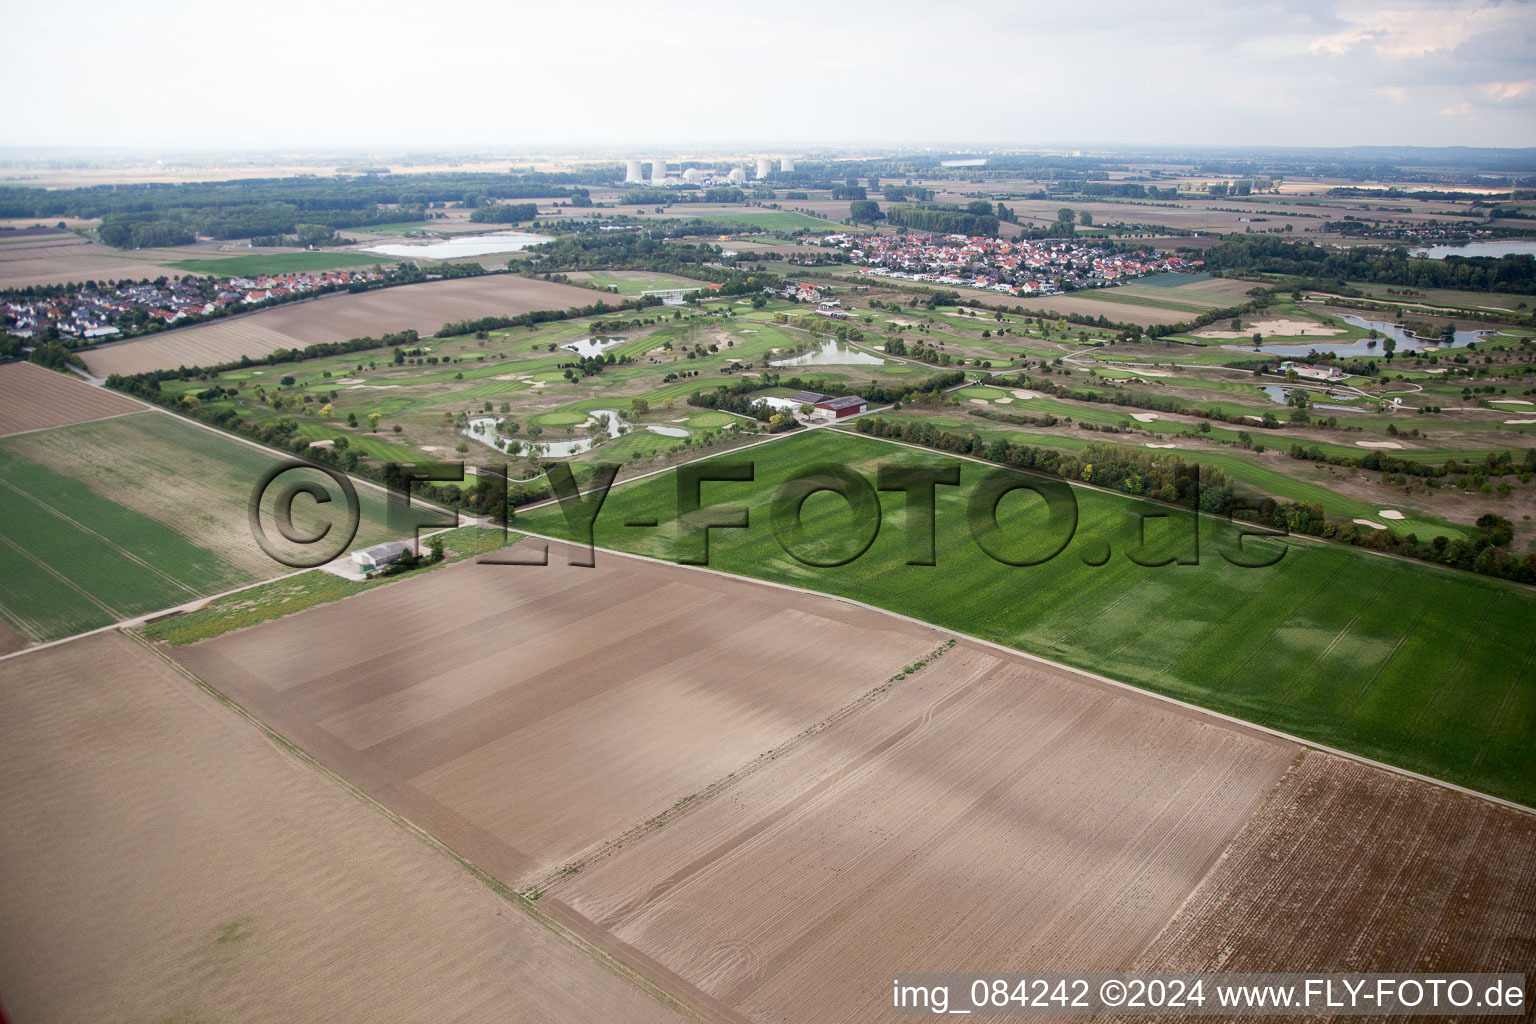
864, 211
397, 428
1065, 215
638, 407
1085, 218
373, 421
1389, 346
327, 411
437, 548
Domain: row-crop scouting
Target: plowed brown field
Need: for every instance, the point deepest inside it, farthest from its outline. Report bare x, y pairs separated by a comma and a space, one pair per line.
986, 814
422, 307
1352, 869
164, 861
738, 791
32, 398
532, 712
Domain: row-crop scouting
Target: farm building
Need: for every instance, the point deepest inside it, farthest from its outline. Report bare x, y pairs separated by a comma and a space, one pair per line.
380, 555
807, 398
1313, 372
848, 405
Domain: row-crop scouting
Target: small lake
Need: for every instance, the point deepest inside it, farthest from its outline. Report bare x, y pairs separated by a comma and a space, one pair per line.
457, 248
1489, 248
586, 347
831, 353
484, 430
1364, 347
668, 431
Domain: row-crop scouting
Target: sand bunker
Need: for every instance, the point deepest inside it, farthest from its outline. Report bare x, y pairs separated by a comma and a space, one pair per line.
980, 401
1144, 373
1367, 522
371, 387
1508, 401
1391, 513
1151, 445
1025, 393
1378, 444
1144, 417
327, 443
1284, 328
348, 380
1004, 401
1520, 421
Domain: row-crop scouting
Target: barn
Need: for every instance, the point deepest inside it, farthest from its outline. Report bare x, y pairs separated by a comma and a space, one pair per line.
807, 398
848, 405
380, 555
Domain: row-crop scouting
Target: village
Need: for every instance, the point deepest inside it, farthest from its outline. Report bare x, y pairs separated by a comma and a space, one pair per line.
97, 311
1015, 267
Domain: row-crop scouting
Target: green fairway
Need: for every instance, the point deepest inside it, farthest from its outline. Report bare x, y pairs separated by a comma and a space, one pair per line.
280, 263
1425, 668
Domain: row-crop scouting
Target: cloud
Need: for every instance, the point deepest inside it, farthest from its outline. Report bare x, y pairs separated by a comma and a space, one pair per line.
1395, 93
1502, 92
1406, 33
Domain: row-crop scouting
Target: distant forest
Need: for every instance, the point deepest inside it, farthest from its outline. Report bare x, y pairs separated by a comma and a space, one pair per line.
1392, 265
157, 214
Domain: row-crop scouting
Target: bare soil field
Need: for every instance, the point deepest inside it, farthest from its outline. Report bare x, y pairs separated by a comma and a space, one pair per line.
704, 777
1392, 874
32, 398
165, 861
526, 714
55, 259
424, 307
987, 810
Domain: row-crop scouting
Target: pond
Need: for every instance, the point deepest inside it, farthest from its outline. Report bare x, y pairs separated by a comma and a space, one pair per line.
586, 347
1278, 394
1492, 248
1365, 347
457, 248
668, 431
483, 429
831, 353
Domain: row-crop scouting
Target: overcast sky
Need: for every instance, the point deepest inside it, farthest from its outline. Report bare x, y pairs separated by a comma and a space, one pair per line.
391, 74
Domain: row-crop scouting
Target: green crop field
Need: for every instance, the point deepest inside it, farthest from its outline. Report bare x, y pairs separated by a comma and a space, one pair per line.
1424, 668
280, 263
766, 220
630, 282
119, 518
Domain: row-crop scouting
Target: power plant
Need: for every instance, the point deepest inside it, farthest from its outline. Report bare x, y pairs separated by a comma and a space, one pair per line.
634, 172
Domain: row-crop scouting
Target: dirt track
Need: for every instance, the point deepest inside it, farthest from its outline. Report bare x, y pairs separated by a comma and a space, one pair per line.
341, 317
163, 861
32, 398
